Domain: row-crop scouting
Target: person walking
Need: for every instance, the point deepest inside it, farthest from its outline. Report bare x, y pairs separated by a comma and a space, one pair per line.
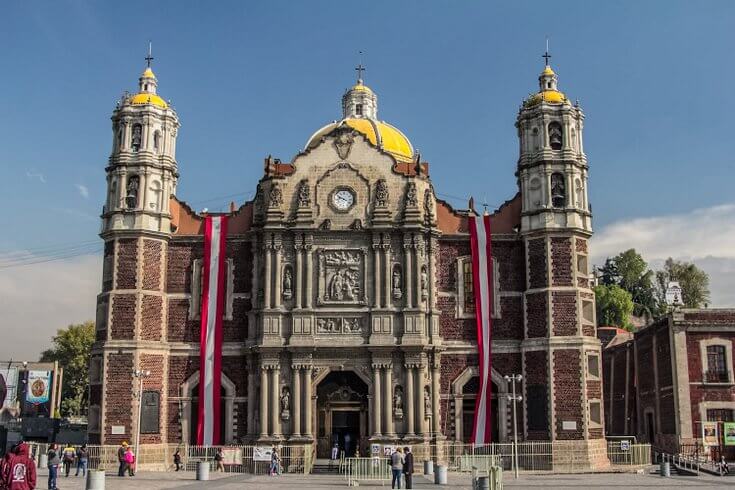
121, 458
275, 463
130, 461
177, 459
396, 464
82, 458
408, 467
20, 471
218, 459
348, 440
67, 457
53, 465
334, 456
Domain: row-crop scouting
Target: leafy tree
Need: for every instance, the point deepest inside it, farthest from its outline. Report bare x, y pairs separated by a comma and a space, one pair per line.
71, 348
629, 271
694, 282
614, 306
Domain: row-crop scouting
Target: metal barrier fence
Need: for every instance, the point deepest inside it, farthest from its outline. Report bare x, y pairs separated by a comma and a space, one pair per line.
366, 469
621, 453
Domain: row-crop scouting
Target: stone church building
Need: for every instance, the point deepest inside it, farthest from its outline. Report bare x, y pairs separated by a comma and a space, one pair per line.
349, 302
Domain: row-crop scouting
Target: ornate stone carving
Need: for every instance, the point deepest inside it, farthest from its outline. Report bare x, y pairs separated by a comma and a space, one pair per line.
343, 142
428, 204
397, 292
287, 283
424, 283
131, 193
275, 198
356, 225
342, 276
427, 402
339, 325
326, 225
411, 197
398, 403
304, 195
285, 403
381, 193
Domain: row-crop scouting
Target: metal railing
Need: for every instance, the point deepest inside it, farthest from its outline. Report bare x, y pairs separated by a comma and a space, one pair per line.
366, 469
622, 453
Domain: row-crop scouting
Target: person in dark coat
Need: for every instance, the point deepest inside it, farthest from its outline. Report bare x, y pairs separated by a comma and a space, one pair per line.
20, 472
408, 467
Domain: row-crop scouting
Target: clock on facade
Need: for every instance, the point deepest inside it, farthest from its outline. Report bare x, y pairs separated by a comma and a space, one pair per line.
343, 199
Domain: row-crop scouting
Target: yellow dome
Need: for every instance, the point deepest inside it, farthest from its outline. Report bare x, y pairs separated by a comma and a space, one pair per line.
549, 96
548, 71
144, 98
392, 140
360, 86
148, 73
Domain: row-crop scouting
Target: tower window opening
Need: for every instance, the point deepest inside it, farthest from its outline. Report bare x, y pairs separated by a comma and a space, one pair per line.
555, 137
548, 85
131, 192
156, 141
137, 135
358, 109
145, 87
558, 190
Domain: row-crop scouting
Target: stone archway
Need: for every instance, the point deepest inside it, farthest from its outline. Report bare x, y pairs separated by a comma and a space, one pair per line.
342, 413
190, 409
464, 391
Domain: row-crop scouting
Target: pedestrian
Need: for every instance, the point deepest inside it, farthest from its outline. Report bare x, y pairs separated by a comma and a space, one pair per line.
348, 439
53, 462
82, 458
275, 463
20, 471
121, 458
335, 455
396, 464
177, 459
67, 457
130, 461
218, 459
4, 464
408, 467
724, 468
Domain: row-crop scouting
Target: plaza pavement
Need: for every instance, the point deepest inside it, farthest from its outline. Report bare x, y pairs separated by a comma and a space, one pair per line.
227, 481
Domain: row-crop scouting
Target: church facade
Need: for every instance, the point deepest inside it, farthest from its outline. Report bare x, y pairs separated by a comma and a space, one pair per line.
349, 310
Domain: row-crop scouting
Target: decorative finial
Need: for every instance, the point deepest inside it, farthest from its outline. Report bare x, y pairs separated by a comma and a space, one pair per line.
546, 55
484, 206
359, 69
149, 58
471, 205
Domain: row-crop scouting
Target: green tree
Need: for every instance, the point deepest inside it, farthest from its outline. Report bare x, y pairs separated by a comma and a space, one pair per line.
629, 271
614, 306
71, 348
694, 282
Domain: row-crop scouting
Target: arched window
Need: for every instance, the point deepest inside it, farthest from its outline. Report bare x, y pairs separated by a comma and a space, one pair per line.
156, 193
156, 141
137, 136
558, 190
555, 137
358, 109
534, 139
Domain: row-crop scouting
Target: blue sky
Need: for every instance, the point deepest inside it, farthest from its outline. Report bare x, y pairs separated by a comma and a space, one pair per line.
654, 78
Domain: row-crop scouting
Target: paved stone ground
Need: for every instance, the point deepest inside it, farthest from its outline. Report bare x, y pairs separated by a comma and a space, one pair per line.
186, 480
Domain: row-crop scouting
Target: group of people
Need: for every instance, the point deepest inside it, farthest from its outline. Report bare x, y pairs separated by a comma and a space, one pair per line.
126, 458
401, 463
68, 457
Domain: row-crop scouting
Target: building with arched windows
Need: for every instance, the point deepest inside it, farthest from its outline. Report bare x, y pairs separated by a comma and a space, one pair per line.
349, 309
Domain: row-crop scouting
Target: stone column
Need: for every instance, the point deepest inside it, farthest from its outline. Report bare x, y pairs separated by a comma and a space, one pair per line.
388, 273
309, 273
298, 277
308, 402
435, 400
279, 277
275, 403
251, 399
268, 275
376, 265
376, 401
407, 273
421, 422
417, 275
263, 402
296, 374
410, 401
388, 403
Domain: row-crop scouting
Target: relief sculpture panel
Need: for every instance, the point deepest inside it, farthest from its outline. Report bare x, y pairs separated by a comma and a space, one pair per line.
339, 325
342, 278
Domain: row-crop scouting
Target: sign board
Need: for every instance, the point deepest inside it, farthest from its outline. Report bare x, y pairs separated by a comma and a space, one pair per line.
38, 387
625, 445
8, 386
388, 450
374, 449
118, 430
710, 434
728, 431
232, 455
262, 453
569, 425
673, 294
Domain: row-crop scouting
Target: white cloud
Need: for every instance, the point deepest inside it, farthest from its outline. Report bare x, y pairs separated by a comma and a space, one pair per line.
83, 191
704, 236
32, 174
36, 300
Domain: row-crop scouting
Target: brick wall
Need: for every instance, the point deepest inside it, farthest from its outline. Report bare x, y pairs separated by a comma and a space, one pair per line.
242, 261
127, 263
181, 255
180, 329
151, 318
123, 316
510, 324
511, 263
537, 378
564, 312
236, 330
109, 262
152, 251
536, 315
580, 245
567, 392
537, 263
155, 364
452, 328
561, 261
118, 394
235, 368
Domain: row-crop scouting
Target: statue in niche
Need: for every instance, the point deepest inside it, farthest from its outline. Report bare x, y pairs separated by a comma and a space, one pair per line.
381, 193
337, 285
287, 283
356, 225
326, 224
427, 203
411, 198
424, 283
285, 403
555, 136
397, 293
558, 190
304, 197
131, 193
137, 135
275, 198
427, 403
398, 403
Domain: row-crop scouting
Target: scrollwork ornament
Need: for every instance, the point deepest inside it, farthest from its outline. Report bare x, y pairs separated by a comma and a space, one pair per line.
381, 193
411, 198
275, 197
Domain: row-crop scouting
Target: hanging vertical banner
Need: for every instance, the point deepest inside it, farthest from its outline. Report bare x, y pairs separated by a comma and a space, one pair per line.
212, 312
482, 282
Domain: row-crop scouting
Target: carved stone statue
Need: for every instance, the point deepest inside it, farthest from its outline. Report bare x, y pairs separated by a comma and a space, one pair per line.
337, 285
558, 190
555, 137
352, 325
398, 403
427, 403
411, 198
287, 283
428, 208
137, 130
397, 293
304, 197
275, 198
343, 142
381, 193
424, 283
131, 193
285, 403
326, 224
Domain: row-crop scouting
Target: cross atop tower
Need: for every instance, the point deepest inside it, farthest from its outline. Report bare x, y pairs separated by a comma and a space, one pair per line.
546, 55
359, 69
149, 58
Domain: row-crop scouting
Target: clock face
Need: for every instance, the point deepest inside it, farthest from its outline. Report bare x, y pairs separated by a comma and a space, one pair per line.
343, 199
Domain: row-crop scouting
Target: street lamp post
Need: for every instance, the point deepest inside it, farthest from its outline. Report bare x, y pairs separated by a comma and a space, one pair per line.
140, 374
513, 398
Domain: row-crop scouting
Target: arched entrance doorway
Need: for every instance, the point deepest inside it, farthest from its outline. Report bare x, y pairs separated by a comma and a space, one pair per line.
464, 391
189, 409
342, 406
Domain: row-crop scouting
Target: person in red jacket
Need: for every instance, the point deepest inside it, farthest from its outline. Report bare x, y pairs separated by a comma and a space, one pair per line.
20, 472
